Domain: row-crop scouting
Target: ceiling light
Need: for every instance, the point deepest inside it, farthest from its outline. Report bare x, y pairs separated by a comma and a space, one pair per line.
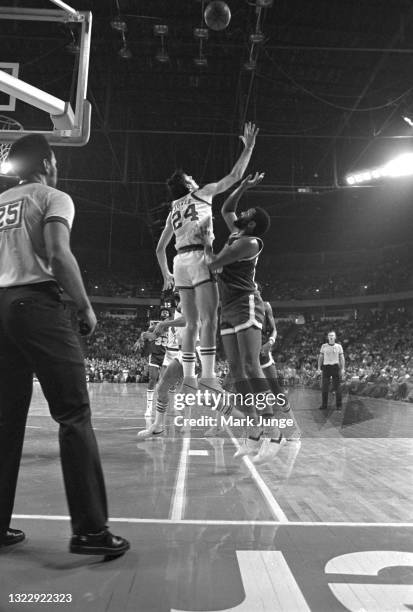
125, 52
119, 24
250, 65
201, 61
257, 38
162, 56
73, 47
201, 33
160, 29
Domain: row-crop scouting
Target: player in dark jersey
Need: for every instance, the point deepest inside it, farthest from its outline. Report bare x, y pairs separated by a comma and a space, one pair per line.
242, 311
268, 338
155, 347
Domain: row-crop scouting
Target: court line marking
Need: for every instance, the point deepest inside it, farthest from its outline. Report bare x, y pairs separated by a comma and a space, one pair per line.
274, 506
119, 418
178, 502
170, 521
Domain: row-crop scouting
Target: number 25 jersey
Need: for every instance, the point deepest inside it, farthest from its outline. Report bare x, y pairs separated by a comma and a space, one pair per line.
24, 212
186, 215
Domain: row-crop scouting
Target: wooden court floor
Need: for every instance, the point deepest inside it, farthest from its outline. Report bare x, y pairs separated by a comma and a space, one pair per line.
327, 527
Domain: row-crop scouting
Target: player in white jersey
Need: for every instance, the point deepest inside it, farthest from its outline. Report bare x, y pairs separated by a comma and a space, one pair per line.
192, 207
171, 377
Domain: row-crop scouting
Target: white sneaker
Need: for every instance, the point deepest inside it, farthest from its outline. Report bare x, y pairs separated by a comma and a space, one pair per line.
248, 447
150, 433
268, 451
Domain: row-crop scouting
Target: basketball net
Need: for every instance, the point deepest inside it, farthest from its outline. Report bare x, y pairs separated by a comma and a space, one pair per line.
7, 123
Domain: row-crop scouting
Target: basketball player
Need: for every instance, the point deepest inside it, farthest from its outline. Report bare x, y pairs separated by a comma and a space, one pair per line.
191, 206
331, 364
242, 310
171, 377
155, 347
268, 338
36, 336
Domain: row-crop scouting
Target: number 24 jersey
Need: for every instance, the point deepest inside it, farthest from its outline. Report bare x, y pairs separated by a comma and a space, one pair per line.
186, 215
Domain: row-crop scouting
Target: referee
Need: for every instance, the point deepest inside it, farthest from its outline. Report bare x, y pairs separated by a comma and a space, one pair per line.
331, 365
36, 337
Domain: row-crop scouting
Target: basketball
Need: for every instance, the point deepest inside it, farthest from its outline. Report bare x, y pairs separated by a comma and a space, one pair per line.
217, 15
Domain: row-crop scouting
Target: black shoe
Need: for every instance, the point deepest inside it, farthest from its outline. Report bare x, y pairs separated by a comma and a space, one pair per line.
11, 536
338, 407
102, 543
323, 408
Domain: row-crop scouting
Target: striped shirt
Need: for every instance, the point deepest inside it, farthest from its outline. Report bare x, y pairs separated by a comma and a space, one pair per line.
331, 353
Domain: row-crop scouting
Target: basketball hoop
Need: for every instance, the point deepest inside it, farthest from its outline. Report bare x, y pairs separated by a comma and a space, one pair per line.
6, 123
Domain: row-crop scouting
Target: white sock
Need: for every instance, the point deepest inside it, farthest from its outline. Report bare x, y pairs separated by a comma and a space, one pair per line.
149, 399
171, 401
188, 364
208, 361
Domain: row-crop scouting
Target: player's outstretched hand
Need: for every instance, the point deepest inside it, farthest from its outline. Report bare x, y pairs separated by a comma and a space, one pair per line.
168, 282
137, 347
251, 181
249, 136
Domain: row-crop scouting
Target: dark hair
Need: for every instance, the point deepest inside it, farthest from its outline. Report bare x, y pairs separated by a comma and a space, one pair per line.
27, 154
262, 221
177, 185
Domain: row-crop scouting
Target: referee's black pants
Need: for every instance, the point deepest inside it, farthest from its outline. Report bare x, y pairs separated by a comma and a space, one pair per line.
36, 336
330, 372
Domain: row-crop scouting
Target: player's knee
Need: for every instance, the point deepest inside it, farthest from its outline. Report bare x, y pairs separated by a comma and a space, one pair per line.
252, 368
192, 328
209, 318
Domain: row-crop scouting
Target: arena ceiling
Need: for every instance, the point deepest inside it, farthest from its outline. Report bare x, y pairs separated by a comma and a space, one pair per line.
331, 83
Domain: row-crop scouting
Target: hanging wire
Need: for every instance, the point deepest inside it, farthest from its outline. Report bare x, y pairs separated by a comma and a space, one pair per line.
332, 104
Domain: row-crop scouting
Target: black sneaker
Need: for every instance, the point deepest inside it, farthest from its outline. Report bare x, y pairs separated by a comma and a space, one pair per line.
11, 536
102, 543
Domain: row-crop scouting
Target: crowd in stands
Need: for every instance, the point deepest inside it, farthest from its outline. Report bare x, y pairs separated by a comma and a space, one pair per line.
377, 348
374, 280
294, 276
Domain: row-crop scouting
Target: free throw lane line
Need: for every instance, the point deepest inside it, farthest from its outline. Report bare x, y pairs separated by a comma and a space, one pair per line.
178, 502
275, 508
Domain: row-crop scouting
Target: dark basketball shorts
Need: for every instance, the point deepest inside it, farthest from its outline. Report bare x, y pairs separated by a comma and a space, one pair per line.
156, 359
241, 313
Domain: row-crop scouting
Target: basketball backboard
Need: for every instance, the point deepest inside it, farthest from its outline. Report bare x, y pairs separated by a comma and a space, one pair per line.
7, 102
43, 83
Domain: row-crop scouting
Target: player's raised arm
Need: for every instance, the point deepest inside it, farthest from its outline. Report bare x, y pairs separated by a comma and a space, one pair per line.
164, 240
245, 247
229, 208
237, 172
